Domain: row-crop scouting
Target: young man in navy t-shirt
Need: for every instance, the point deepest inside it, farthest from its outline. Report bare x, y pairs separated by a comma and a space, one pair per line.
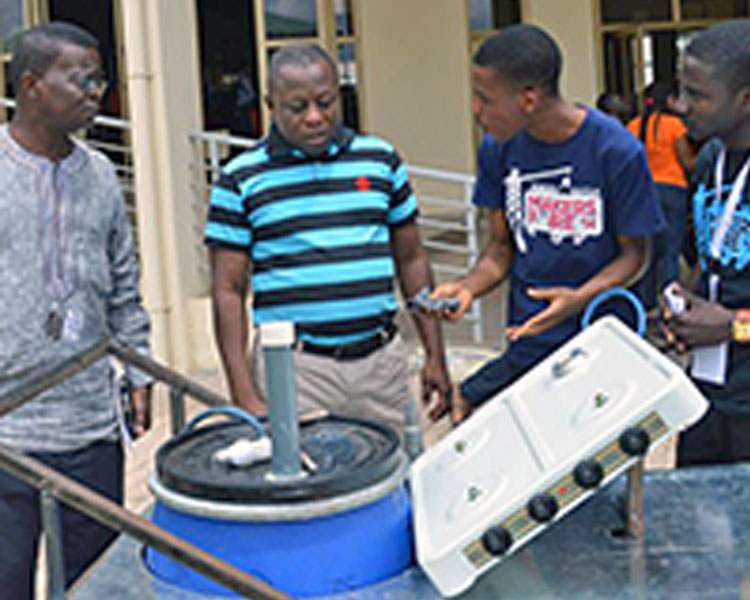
570, 198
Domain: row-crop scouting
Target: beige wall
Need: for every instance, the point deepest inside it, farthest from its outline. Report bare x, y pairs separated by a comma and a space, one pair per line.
571, 23
415, 77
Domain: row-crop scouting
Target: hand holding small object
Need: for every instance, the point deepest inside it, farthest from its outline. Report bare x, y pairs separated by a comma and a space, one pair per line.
421, 301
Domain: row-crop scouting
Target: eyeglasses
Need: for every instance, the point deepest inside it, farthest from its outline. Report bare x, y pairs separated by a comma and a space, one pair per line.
86, 83
92, 83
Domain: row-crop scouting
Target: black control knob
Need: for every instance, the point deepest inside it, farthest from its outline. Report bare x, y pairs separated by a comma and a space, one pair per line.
497, 540
635, 441
588, 474
542, 507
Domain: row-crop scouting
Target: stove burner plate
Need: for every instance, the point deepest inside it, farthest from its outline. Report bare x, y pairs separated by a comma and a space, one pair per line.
555, 433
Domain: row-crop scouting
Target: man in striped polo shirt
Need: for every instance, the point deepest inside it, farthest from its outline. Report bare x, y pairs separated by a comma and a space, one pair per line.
327, 219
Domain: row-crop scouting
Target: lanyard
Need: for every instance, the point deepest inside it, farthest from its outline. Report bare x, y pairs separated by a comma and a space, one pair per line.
717, 240
60, 269
59, 264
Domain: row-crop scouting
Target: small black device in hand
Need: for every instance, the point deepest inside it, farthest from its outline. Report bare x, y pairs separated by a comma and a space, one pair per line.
421, 301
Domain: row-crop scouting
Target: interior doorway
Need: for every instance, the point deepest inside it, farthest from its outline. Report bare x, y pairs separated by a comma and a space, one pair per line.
229, 66
237, 39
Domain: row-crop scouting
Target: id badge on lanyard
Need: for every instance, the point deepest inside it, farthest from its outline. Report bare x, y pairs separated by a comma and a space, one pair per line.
710, 362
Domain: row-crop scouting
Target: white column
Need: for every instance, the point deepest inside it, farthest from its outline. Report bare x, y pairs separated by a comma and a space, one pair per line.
416, 79
164, 96
572, 24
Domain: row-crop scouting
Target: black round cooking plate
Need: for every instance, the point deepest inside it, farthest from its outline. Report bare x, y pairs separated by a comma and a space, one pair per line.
350, 454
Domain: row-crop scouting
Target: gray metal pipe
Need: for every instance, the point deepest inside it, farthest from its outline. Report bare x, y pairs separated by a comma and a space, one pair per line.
165, 374
48, 377
52, 526
177, 409
277, 340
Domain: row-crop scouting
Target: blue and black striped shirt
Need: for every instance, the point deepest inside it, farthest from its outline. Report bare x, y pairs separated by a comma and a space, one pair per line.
318, 232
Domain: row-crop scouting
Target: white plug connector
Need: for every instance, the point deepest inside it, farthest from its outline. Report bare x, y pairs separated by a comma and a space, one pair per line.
244, 452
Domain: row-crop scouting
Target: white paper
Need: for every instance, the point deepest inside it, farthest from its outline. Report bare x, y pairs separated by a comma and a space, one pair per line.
710, 363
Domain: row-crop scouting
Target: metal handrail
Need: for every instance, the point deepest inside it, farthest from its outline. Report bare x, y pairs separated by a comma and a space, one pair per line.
441, 174
162, 373
56, 487
223, 138
103, 120
37, 382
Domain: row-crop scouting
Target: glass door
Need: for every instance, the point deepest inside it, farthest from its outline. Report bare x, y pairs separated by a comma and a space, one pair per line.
621, 59
642, 40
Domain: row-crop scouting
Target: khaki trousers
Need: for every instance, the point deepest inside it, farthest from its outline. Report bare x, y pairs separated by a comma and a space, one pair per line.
374, 387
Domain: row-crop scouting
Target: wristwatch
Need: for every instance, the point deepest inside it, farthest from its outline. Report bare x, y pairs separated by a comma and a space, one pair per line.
741, 325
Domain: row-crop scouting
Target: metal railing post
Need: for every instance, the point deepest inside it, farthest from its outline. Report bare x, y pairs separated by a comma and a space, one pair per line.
634, 520
472, 242
52, 527
164, 374
214, 160
177, 409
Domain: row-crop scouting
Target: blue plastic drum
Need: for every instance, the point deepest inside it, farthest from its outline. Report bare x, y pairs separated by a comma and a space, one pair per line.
317, 557
330, 534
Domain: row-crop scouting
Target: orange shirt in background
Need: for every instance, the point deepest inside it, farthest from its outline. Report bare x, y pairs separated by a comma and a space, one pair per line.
661, 152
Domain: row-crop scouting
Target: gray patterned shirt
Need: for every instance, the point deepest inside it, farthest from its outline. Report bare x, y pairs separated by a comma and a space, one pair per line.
66, 248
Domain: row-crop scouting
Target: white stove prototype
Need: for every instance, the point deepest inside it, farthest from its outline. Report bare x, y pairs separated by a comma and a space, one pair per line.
542, 446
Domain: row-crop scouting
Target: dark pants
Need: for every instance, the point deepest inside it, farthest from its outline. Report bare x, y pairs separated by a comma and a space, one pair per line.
98, 467
490, 379
718, 438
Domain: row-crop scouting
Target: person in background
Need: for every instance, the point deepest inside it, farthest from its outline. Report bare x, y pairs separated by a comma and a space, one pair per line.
571, 205
68, 279
246, 115
662, 131
616, 105
327, 218
716, 325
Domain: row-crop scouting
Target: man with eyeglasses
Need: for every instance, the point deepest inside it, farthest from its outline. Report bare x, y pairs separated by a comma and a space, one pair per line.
68, 278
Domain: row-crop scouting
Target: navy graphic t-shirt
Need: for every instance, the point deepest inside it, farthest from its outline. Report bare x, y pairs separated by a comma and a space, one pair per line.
565, 204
